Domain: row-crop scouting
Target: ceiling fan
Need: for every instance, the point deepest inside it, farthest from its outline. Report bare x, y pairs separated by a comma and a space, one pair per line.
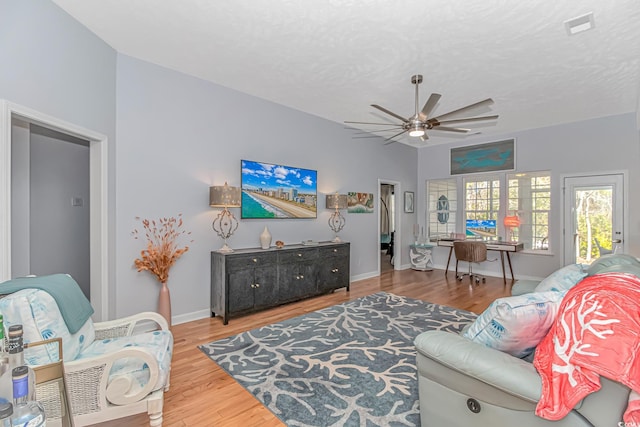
418, 124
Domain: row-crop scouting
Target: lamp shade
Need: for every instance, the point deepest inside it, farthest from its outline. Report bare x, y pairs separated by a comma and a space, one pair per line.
336, 201
224, 196
511, 221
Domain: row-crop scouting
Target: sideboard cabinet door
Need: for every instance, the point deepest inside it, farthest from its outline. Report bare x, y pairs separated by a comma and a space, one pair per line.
333, 268
297, 273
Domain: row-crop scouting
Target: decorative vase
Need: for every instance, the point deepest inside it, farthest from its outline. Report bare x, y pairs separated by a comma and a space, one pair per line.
265, 238
164, 303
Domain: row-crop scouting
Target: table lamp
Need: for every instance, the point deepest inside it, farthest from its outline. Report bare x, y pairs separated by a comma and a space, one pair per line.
510, 222
336, 220
225, 223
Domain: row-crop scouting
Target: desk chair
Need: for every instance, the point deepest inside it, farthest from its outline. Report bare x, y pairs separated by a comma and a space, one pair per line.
471, 252
603, 251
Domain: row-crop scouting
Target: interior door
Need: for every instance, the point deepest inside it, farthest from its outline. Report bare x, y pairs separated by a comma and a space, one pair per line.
594, 217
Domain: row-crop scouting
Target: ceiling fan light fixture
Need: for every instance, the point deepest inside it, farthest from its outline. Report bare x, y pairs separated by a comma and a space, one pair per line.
416, 130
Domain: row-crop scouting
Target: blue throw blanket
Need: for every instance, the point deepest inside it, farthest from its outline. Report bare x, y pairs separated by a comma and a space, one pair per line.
73, 305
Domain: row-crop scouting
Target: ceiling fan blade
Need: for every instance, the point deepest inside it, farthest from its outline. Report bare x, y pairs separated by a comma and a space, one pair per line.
371, 123
487, 101
428, 106
391, 113
448, 129
362, 137
391, 140
377, 130
469, 119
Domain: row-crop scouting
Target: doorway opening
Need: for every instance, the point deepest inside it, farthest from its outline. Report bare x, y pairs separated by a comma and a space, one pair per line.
388, 227
17, 118
49, 204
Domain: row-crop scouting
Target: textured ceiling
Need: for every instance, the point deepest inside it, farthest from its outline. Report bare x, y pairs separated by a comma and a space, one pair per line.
334, 58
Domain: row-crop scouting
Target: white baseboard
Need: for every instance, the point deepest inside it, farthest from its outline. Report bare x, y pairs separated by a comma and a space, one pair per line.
364, 276
188, 317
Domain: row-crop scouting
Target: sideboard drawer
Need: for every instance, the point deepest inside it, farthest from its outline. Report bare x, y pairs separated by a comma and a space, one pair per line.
339, 251
251, 260
297, 255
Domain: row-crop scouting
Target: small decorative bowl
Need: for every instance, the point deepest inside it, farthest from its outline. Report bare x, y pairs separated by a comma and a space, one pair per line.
279, 244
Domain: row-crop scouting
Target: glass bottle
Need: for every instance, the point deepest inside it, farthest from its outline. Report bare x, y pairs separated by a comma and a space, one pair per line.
16, 358
6, 411
6, 390
26, 413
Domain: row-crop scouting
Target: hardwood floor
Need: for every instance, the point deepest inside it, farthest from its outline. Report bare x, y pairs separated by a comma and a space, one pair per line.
202, 394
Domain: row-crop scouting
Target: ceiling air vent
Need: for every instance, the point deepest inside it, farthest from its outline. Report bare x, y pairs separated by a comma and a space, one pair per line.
579, 24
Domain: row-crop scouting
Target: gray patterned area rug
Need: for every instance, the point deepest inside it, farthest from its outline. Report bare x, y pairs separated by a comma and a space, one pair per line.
352, 364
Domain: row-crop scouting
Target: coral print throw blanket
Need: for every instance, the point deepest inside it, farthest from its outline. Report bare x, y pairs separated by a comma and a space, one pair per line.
596, 333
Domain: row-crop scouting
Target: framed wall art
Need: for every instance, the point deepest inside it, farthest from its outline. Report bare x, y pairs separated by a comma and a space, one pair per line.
408, 201
494, 156
359, 202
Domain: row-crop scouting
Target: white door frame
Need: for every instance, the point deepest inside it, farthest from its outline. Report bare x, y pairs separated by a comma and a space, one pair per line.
397, 243
567, 233
99, 264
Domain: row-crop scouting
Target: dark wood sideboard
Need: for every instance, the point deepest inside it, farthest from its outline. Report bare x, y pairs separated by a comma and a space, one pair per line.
249, 280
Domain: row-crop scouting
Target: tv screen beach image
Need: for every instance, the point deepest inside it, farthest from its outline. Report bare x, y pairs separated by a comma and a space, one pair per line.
277, 191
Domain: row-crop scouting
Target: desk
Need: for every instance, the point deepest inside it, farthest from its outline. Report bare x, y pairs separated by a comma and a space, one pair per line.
420, 255
502, 247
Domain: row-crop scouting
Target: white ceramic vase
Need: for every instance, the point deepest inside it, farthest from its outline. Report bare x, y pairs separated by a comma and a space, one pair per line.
265, 238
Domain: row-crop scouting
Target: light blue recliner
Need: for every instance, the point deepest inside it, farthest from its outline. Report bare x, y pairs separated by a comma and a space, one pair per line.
111, 370
463, 383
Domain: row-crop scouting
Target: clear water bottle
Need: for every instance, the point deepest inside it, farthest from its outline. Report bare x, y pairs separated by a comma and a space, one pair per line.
6, 411
26, 413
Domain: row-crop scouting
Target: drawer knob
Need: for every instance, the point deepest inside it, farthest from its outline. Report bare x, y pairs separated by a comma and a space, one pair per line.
253, 286
335, 270
255, 260
257, 285
299, 255
335, 250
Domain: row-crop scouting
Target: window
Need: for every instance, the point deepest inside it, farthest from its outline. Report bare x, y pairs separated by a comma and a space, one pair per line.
523, 199
529, 197
482, 199
442, 197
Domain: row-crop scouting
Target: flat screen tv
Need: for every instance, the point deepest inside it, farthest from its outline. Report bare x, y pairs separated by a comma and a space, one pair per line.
276, 191
482, 228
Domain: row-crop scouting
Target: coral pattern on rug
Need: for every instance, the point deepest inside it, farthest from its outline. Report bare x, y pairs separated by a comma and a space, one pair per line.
352, 364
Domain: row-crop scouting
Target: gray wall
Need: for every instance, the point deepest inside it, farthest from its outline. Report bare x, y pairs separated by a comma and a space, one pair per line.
56, 66
600, 145
59, 235
178, 135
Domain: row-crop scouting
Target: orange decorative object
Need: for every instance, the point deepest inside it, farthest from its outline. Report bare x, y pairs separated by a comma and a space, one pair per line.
511, 221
